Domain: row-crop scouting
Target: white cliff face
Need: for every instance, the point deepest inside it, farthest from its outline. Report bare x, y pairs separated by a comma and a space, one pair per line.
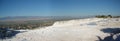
72, 30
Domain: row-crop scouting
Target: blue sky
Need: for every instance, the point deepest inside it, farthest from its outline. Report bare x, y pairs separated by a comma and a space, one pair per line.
59, 7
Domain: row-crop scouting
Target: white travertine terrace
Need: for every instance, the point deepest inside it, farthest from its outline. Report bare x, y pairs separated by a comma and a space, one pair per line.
72, 30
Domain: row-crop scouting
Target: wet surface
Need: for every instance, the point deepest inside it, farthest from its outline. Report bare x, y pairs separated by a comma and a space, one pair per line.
113, 32
7, 33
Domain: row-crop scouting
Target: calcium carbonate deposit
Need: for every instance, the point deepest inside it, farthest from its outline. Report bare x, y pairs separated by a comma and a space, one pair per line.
72, 30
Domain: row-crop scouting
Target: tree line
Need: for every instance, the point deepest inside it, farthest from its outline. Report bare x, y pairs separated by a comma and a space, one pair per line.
107, 16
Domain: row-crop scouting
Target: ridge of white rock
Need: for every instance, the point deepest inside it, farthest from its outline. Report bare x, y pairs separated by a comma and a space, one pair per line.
75, 22
72, 30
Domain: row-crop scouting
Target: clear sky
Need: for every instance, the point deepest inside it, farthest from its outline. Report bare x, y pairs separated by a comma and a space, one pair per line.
59, 7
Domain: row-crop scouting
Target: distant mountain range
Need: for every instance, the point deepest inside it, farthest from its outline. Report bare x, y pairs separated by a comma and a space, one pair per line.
37, 18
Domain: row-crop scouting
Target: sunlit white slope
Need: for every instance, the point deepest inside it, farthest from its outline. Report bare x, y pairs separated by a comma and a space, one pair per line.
76, 22
72, 30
